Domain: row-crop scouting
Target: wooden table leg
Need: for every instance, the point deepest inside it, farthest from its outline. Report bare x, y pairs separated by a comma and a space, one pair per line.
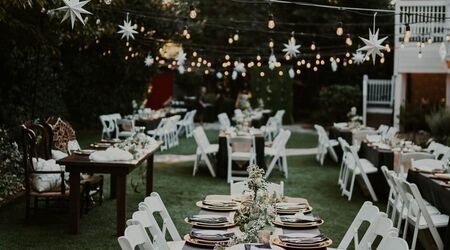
121, 203
112, 186
149, 181
74, 182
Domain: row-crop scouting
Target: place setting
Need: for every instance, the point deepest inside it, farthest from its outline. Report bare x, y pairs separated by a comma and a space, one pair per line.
208, 238
302, 241
210, 221
218, 205
298, 220
292, 208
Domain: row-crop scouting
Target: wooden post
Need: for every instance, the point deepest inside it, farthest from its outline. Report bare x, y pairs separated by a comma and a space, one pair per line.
74, 182
121, 203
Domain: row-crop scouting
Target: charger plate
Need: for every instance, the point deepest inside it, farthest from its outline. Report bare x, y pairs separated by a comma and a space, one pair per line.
297, 225
287, 245
216, 208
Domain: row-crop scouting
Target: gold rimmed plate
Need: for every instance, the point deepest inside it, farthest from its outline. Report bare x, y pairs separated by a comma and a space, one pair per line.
200, 204
287, 245
202, 243
298, 224
210, 225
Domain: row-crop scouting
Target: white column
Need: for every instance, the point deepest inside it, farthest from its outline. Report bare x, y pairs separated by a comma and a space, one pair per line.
365, 81
399, 97
447, 92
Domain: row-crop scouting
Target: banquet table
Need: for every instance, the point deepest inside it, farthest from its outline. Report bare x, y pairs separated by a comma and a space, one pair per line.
436, 195
222, 154
350, 136
378, 157
76, 164
278, 230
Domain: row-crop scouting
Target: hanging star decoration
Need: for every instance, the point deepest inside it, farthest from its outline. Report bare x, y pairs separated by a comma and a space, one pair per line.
127, 29
181, 57
373, 45
240, 67
74, 9
291, 48
358, 57
334, 66
291, 73
181, 69
272, 61
149, 60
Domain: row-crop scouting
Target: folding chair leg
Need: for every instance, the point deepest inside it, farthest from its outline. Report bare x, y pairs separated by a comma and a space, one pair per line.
271, 165
196, 164
210, 166
285, 166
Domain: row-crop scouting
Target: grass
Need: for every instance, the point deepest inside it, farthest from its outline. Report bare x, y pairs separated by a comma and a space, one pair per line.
179, 190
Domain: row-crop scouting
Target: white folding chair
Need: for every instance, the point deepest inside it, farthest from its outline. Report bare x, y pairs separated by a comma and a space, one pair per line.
204, 150
392, 131
277, 153
153, 204
382, 227
405, 160
390, 243
382, 129
279, 117
190, 125
346, 161
183, 124
135, 236
147, 222
420, 218
240, 156
390, 207
271, 129
224, 121
108, 126
361, 167
238, 187
427, 164
158, 134
367, 213
325, 145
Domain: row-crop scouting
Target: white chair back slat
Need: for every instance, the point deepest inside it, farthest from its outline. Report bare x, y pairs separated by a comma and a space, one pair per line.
135, 236
390, 243
224, 121
382, 227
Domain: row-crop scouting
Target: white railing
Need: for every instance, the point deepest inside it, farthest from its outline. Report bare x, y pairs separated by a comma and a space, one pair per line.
426, 18
377, 92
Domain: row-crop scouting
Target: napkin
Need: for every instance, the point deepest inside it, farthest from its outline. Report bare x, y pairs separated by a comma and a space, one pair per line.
290, 206
208, 219
111, 154
220, 203
300, 239
299, 218
213, 235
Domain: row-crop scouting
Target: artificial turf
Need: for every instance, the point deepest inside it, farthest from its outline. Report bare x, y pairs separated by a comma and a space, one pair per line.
179, 191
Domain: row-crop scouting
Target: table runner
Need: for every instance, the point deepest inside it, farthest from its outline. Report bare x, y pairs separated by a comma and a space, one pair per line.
278, 230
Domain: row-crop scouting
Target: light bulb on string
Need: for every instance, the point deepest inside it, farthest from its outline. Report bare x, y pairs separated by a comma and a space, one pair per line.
407, 33
303, 61
322, 62
189, 69
185, 31
199, 59
317, 62
258, 57
318, 56
339, 29
298, 72
350, 61
188, 36
348, 40
387, 48
192, 12
308, 65
258, 64
227, 57
280, 73
230, 40
382, 60
194, 54
347, 54
271, 22
271, 43
313, 46
299, 63
315, 68
236, 36
261, 74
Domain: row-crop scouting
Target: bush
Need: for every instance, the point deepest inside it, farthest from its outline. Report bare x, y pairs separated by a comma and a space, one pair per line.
336, 101
11, 170
439, 124
412, 117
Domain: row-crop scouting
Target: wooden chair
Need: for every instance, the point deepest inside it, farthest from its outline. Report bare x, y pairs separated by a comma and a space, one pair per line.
93, 184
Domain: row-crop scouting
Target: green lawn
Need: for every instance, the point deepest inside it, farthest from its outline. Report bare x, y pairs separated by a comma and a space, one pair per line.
179, 190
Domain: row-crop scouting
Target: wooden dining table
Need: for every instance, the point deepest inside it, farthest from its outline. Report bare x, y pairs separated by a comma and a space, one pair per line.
119, 170
278, 230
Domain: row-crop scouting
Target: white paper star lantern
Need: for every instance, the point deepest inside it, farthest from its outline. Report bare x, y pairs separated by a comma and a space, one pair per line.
240, 67
443, 51
234, 75
181, 57
358, 57
149, 60
127, 29
334, 66
373, 45
291, 73
74, 9
291, 48
272, 61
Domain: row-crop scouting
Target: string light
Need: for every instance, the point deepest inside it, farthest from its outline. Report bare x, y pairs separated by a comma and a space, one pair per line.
299, 63
236, 36
199, 59
347, 54
298, 72
382, 60
338, 60
206, 71
318, 56
226, 73
315, 68
407, 33
230, 40
258, 57
313, 46
271, 22
387, 48
189, 69
192, 64
350, 61
280, 73
339, 29
348, 40
243, 74
192, 12
258, 64
227, 57
303, 61
188, 36
261, 74
194, 54
308, 65
270, 43
322, 62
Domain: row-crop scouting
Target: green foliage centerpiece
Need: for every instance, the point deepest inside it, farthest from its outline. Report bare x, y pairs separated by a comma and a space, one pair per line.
256, 215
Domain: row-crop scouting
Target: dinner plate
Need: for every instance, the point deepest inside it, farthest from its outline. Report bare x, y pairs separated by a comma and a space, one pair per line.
297, 224
216, 208
210, 225
100, 145
83, 151
202, 243
286, 245
289, 208
441, 176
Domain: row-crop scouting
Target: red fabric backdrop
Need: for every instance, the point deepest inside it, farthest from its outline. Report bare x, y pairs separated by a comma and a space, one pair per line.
162, 90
